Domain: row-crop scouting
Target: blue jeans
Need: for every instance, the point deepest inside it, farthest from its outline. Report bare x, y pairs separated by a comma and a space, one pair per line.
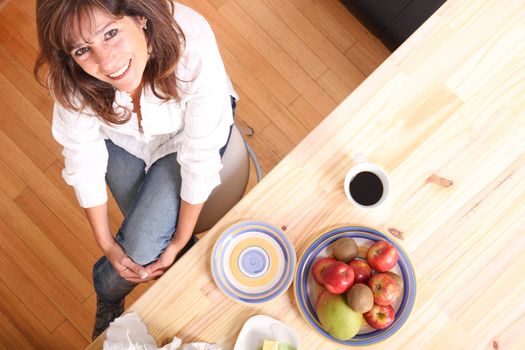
150, 205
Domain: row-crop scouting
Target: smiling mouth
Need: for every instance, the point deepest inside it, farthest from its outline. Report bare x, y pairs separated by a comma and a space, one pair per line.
121, 72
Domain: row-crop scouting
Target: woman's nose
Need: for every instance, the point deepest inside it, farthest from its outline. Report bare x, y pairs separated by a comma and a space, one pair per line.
104, 59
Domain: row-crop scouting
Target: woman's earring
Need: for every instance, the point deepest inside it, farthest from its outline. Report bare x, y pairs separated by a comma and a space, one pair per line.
145, 25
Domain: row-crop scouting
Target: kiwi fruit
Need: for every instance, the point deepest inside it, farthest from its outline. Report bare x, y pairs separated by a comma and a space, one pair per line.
360, 298
345, 249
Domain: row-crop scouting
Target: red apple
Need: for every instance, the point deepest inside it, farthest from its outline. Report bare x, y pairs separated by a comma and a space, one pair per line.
380, 317
382, 256
384, 288
399, 279
362, 271
319, 266
338, 277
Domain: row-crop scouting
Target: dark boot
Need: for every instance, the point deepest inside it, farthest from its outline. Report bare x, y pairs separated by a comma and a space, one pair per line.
106, 313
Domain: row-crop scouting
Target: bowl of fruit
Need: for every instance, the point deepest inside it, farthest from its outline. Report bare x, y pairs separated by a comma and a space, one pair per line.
355, 286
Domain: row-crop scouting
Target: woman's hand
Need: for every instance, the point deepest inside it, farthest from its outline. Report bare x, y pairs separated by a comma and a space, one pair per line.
125, 267
166, 259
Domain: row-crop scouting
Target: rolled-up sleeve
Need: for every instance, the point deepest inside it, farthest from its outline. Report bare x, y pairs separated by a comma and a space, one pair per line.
85, 154
207, 121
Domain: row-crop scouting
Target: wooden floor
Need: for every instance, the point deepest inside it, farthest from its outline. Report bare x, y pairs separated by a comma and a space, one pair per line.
292, 62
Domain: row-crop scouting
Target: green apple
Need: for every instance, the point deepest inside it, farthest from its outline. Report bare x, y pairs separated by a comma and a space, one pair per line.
336, 317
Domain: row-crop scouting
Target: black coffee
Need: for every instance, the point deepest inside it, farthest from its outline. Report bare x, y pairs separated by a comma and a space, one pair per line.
366, 188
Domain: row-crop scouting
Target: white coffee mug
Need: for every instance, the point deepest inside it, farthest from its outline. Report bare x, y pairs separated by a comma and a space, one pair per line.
366, 184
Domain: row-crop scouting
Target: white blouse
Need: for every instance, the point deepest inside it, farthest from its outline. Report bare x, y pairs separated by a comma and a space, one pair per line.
196, 127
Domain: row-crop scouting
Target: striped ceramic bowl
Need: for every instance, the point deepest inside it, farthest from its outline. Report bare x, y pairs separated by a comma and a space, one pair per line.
253, 262
306, 289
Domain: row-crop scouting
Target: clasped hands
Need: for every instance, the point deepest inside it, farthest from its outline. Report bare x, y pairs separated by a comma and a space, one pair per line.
136, 273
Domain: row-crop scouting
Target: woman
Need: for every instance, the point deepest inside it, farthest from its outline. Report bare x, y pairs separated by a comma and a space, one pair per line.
142, 104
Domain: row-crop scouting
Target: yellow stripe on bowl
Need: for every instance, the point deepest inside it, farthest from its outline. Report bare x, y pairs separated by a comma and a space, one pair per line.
251, 281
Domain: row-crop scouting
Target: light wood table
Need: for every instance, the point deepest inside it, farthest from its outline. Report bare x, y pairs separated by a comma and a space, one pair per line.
445, 116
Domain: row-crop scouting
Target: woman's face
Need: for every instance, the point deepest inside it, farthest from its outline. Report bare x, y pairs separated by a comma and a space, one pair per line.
112, 50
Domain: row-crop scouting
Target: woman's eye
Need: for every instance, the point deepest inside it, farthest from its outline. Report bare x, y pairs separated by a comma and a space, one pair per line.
110, 34
81, 51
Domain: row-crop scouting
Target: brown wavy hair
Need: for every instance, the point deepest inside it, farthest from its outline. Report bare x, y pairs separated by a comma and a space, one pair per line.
77, 90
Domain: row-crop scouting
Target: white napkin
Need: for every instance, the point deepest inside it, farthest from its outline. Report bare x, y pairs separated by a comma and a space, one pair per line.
128, 332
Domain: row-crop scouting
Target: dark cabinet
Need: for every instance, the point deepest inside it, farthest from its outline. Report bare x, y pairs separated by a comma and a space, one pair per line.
392, 21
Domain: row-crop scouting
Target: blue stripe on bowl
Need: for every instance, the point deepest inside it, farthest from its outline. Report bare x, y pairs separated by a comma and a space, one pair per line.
218, 268
308, 310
